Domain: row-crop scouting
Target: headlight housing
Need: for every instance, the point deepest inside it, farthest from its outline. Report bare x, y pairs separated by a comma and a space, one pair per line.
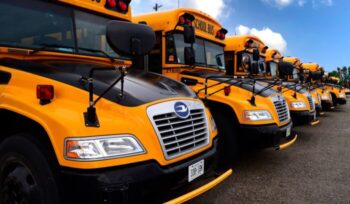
257, 115
341, 95
213, 124
102, 148
325, 97
298, 104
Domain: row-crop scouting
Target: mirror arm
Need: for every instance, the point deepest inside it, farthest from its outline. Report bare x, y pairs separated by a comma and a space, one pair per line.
252, 99
90, 116
206, 87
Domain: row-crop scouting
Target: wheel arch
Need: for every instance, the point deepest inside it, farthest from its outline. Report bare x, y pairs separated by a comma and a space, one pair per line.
14, 122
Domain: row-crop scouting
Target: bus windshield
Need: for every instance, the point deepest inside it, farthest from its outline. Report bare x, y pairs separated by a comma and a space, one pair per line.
34, 24
207, 53
245, 62
273, 68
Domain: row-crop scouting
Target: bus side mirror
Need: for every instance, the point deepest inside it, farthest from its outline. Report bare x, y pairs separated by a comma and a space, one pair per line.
218, 60
190, 57
254, 68
256, 54
285, 69
130, 39
189, 36
316, 75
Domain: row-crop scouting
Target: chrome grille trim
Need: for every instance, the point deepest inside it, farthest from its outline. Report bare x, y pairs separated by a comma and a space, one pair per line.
281, 108
311, 103
179, 136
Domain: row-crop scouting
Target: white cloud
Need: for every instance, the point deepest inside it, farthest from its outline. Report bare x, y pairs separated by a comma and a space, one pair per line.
316, 3
216, 9
284, 3
301, 3
270, 38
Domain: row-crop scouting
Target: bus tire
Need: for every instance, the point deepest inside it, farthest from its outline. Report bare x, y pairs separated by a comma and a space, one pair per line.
228, 135
25, 174
334, 100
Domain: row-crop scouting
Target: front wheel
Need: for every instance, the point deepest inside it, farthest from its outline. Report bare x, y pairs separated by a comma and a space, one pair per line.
228, 134
25, 175
334, 100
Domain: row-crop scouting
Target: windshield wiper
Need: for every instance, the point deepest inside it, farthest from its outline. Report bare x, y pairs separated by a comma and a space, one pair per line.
97, 51
44, 46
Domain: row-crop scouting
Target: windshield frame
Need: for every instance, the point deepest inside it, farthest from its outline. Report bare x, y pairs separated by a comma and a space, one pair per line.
239, 57
204, 44
72, 15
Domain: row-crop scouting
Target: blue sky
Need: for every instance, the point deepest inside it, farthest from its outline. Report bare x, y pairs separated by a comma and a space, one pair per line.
313, 30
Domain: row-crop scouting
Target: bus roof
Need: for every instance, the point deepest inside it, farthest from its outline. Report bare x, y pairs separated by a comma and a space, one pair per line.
206, 26
294, 60
237, 43
99, 6
314, 67
273, 54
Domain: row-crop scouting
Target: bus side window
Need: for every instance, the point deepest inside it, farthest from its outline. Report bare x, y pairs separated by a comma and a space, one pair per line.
229, 62
171, 55
155, 56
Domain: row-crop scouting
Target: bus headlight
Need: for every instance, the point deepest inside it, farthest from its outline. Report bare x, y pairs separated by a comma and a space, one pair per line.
341, 95
102, 148
213, 124
257, 115
298, 104
325, 97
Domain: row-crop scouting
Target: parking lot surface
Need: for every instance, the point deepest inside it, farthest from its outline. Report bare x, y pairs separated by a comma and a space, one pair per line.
316, 169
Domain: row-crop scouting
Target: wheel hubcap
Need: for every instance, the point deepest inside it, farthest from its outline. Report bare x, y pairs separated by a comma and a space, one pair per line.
18, 185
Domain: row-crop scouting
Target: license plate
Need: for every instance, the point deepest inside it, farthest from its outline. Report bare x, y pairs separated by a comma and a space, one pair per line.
288, 131
195, 170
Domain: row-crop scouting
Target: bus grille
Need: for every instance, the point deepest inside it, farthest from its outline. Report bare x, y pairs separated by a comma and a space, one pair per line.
179, 136
282, 110
311, 103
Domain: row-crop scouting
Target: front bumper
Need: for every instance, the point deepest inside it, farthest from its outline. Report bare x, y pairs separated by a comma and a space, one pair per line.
341, 101
266, 135
303, 117
318, 109
146, 182
327, 104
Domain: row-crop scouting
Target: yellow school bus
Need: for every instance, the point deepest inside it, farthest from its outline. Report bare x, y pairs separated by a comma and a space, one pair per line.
307, 98
82, 122
314, 74
338, 93
239, 52
347, 92
286, 72
243, 112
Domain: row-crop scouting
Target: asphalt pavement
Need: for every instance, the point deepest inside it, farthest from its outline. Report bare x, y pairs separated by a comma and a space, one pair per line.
316, 169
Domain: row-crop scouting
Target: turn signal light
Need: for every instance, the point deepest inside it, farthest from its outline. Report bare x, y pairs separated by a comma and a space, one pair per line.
265, 49
111, 3
227, 90
221, 34
119, 5
186, 19
123, 6
182, 20
248, 44
279, 89
45, 93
